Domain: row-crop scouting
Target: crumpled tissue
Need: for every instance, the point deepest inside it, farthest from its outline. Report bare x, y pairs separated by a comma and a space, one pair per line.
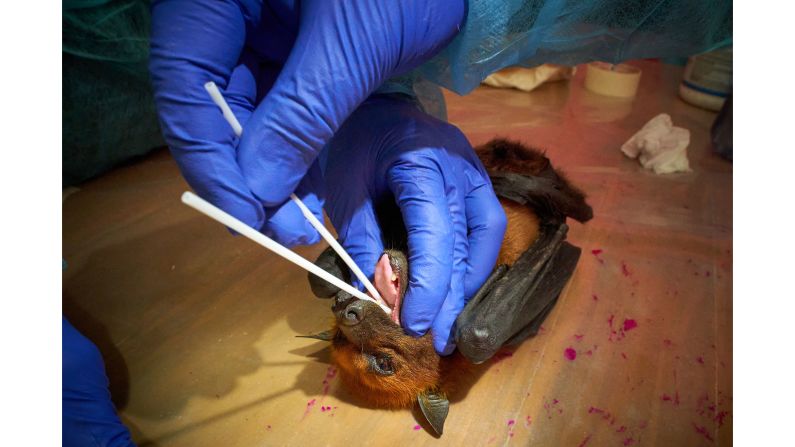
660, 146
527, 79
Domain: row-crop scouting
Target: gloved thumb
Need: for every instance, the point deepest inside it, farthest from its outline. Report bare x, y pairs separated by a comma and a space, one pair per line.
358, 233
287, 224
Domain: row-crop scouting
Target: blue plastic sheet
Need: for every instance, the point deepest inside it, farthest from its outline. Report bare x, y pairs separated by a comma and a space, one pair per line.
501, 33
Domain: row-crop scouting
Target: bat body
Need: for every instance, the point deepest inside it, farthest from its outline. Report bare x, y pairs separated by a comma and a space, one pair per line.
389, 369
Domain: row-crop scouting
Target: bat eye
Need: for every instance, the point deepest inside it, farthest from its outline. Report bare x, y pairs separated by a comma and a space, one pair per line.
381, 364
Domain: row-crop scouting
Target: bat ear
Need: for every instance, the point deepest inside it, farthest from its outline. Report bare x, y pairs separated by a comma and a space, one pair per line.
329, 261
325, 336
434, 406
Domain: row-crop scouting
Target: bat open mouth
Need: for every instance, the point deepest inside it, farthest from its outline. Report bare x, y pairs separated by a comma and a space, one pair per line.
390, 279
389, 282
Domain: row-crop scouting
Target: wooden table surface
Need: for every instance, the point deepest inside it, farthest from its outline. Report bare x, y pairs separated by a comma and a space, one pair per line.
197, 327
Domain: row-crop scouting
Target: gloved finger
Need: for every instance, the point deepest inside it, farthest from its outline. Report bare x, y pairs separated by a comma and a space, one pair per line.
486, 224
419, 191
442, 327
248, 84
287, 226
353, 216
361, 238
89, 417
241, 90
286, 223
343, 52
181, 63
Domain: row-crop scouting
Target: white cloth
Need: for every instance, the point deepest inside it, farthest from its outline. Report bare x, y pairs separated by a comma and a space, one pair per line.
660, 146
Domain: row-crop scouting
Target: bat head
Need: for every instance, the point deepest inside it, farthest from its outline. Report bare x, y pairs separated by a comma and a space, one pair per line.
376, 360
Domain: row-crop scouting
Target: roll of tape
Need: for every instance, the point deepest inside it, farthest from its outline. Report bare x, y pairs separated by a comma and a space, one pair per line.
619, 80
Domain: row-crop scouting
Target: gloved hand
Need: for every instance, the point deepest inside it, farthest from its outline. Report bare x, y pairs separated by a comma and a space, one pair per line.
291, 77
89, 417
388, 151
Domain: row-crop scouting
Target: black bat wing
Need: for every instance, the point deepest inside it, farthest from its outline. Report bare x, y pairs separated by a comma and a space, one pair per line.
513, 303
549, 196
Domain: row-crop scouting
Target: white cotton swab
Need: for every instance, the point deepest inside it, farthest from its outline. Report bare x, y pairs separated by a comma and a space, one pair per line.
215, 213
219, 100
336, 247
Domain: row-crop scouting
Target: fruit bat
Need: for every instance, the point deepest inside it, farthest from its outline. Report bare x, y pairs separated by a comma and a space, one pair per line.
390, 369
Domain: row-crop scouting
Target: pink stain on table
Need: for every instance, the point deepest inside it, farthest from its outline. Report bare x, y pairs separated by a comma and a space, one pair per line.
624, 355
511, 422
570, 354
604, 414
703, 431
700, 359
585, 441
417, 428
309, 406
595, 298
331, 373
619, 333
528, 421
667, 343
612, 331
711, 409
550, 407
625, 434
578, 337
719, 418
624, 270
676, 386
596, 252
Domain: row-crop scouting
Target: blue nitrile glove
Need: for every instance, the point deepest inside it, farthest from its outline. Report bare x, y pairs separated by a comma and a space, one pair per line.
388, 150
292, 75
89, 418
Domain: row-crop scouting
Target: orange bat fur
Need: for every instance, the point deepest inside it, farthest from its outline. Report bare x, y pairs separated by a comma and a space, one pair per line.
416, 365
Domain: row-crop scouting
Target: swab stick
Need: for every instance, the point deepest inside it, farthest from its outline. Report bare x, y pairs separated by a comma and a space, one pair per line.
219, 100
215, 213
336, 247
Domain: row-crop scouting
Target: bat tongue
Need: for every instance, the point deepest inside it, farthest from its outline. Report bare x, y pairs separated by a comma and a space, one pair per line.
388, 285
